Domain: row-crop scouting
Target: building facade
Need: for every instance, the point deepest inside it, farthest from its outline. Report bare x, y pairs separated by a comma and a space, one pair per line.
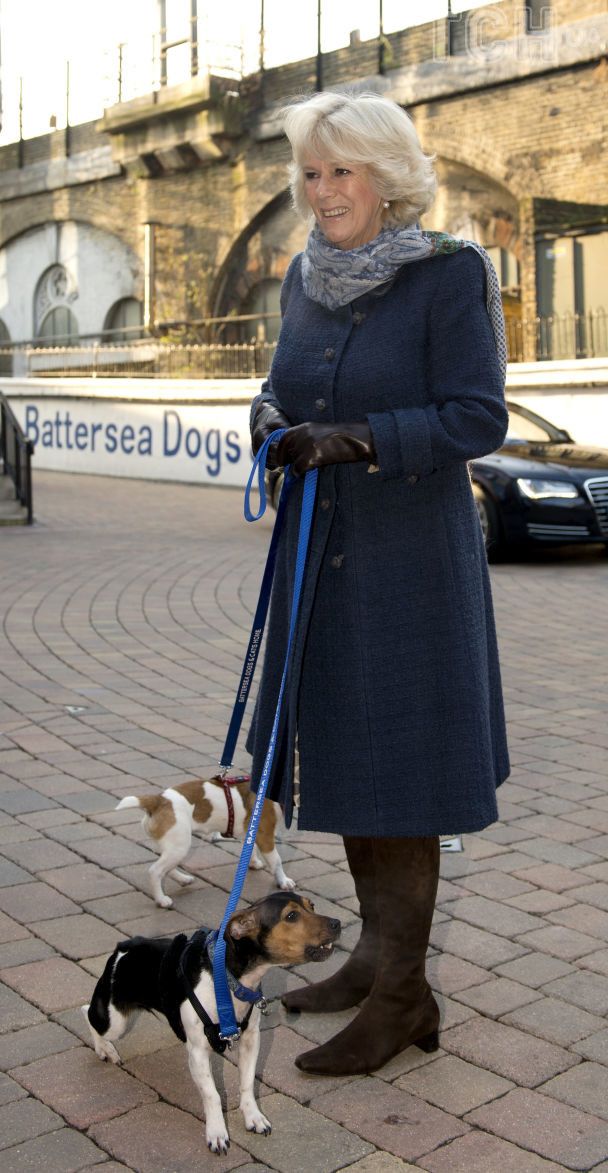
173, 207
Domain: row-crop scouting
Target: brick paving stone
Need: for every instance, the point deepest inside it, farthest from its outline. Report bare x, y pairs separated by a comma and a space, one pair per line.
479, 1152
11, 873
453, 1085
24, 800
540, 902
82, 1088
34, 1042
38, 855
24, 1119
158, 1138
390, 1118
15, 1012
380, 1163
276, 1068
10, 930
10, 1090
595, 1047
63, 1151
511, 1053
583, 917
449, 974
52, 984
551, 1019
563, 854
475, 945
584, 1087
587, 990
535, 969
497, 997
167, 1072
559, 941
50, 818
84, 881
34, 902
553, 827
557, 1131
495, 885
160, 923
492, 916
78, 936
598, 962
128, 905
596, 894
552, 876
301, 1140
74, 833
20, 952
112, 851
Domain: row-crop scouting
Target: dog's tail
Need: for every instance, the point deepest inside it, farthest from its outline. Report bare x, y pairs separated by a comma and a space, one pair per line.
148, 802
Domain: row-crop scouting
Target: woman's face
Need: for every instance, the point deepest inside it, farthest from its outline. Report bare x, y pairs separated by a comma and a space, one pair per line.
346, 207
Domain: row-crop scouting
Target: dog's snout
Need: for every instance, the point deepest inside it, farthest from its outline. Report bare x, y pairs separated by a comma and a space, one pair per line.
335, 926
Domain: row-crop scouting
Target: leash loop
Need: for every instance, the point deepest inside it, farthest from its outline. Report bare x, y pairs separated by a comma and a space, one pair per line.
228, 1027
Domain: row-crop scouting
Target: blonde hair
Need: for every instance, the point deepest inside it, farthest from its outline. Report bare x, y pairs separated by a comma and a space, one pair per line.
366, 129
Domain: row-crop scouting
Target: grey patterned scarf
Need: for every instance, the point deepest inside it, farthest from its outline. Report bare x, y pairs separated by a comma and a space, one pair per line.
334, 277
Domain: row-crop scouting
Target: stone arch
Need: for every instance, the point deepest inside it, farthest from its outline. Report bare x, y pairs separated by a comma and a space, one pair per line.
474, 204
261, 252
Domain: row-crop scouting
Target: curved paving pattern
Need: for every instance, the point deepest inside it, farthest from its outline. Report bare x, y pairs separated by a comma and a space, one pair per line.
125, 613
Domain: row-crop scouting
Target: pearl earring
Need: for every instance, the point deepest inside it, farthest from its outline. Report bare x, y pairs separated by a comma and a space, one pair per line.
386, 204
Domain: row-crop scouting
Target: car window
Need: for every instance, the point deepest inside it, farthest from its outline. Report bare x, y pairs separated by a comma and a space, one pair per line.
521, 428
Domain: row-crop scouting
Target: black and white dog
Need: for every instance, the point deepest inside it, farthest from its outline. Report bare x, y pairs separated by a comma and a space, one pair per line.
162, 973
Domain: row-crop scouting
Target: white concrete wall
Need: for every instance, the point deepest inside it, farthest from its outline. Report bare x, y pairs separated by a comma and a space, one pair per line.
101, 269
198, 431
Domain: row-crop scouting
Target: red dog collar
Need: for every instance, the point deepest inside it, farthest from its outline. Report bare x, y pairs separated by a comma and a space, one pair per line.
227, 782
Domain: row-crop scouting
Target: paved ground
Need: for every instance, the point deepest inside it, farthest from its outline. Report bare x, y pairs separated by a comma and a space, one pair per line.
125, 611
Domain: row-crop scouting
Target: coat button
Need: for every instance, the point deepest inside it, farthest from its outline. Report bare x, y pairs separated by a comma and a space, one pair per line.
325, 503
415, 477
320, 404
337, 561
329, 354
358, 317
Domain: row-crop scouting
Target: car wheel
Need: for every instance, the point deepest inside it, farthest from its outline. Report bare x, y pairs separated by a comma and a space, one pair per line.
490, 523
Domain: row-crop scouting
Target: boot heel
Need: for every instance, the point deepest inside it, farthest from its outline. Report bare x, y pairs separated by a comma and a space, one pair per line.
428, 1042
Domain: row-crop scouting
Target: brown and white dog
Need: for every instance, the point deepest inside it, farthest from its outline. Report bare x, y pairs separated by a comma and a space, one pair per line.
218, 806
147, 974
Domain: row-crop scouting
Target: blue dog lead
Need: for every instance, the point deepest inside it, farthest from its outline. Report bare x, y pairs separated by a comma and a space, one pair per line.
228, 1026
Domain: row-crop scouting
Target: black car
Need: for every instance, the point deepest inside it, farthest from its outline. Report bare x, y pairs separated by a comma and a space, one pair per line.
541, 488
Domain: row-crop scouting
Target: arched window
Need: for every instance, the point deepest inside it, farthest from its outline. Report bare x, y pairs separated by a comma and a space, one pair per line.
6, 358
263, 298
124, 319
59, 327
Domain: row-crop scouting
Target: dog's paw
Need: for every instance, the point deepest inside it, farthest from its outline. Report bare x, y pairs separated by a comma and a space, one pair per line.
256, 864
164, 901
218, 1140
106, 1050
256, 1122
286, 885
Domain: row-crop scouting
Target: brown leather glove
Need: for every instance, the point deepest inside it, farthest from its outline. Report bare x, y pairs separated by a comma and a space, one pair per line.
313, 445
267, 418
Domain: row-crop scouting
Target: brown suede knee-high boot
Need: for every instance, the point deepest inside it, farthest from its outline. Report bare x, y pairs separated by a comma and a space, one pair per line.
355, 979
400, 1009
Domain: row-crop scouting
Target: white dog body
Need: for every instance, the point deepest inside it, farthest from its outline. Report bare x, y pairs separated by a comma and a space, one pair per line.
216, 807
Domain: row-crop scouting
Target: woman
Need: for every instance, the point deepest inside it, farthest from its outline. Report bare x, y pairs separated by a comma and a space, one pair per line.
394, 691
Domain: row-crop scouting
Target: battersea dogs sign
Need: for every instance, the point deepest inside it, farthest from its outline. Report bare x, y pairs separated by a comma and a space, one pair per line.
196, 442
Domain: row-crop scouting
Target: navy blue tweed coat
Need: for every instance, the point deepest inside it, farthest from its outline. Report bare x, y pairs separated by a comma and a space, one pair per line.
395, 689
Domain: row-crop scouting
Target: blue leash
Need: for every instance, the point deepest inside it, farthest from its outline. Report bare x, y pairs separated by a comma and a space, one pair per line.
228, 1026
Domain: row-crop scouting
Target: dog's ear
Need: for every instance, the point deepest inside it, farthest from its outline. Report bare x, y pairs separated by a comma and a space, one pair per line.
244, 924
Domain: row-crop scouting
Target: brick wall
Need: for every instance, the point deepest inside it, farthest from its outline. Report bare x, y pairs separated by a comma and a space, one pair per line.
530, 138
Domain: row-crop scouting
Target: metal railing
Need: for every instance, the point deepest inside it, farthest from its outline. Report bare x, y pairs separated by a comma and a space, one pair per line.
16, 455
209, 349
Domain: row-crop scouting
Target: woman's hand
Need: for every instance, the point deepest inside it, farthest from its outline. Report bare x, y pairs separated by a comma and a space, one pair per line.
313, 445
267, 419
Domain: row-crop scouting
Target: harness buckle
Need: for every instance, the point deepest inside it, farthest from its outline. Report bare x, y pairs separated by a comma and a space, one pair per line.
263, 1006
230, 1040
